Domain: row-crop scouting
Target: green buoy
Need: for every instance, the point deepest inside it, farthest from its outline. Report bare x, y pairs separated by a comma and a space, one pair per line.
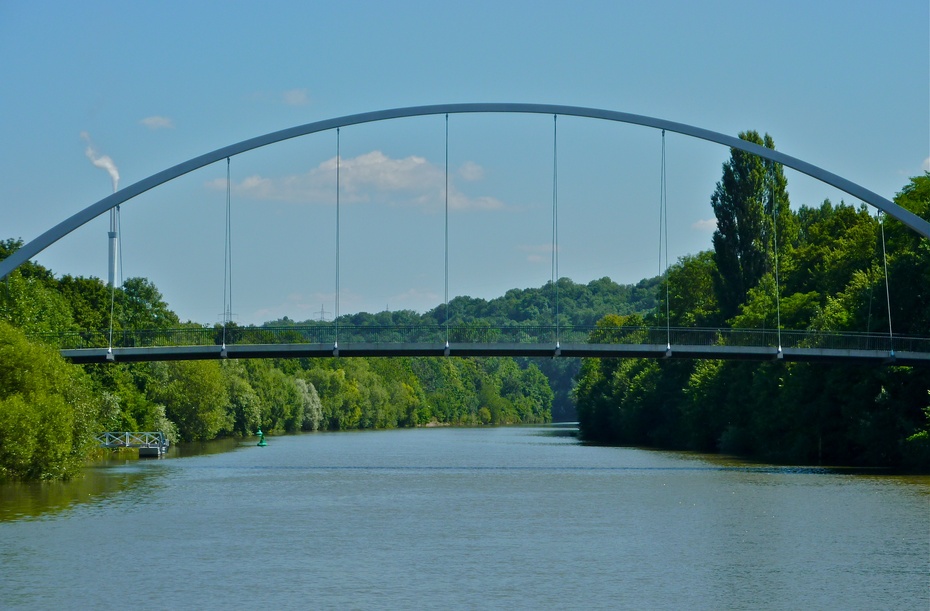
261, 439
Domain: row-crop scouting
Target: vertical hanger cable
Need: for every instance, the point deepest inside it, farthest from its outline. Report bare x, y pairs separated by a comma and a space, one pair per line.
887, 283
555, 222
338, 162
447, 233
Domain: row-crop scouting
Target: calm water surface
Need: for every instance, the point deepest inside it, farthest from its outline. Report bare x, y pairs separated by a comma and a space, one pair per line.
443, 518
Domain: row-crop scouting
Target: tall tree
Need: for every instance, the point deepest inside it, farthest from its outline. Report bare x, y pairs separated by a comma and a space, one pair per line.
144, 307
743, 203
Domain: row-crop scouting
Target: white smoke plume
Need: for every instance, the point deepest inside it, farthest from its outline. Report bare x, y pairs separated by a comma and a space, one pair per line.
101, 161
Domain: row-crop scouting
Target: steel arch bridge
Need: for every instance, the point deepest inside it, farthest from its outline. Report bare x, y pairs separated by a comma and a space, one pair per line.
30, 250
686, 348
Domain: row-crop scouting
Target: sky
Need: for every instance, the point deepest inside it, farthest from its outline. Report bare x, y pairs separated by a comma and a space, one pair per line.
92, 89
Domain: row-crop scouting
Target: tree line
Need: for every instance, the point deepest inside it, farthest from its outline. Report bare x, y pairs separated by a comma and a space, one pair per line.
50, 410
830, 276
529, 308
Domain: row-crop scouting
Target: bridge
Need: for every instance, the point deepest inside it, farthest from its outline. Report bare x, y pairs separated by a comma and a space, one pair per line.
328, 340
557, 341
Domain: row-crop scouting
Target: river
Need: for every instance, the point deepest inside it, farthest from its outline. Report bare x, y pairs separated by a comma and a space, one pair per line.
449, 518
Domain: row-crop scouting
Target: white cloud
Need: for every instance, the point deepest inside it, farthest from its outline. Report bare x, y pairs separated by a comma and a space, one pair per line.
537, 253
296, 97
926, 165
371, 177
459, 201
471, 171
157, 122
705, 225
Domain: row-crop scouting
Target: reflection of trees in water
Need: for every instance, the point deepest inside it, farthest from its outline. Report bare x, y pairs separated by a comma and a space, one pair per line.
200, 448
31, 500
104, 481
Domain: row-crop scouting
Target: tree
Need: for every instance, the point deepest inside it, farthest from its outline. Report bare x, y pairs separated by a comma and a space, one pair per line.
144, 307
691, 292
30, 304
195, 398
48, 413
909, 261
89, 299
27, 269
28, 298
313, 408
743, 203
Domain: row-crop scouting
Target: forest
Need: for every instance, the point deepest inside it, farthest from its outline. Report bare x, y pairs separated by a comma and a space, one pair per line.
50, 409
830, 275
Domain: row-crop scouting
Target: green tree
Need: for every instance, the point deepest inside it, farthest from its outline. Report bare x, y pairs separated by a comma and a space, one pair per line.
144, 307
743, 201
909, 262
90, 300
245, 407
312, 406
195, 398
48, 412
31, 304
691, 292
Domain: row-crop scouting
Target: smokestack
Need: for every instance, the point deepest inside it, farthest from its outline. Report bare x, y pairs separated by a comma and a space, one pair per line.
104, 161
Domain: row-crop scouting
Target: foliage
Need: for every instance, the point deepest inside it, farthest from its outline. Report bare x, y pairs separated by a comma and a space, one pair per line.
831, 278
48, 413
28, 302
195, 398
743, 203
533, 310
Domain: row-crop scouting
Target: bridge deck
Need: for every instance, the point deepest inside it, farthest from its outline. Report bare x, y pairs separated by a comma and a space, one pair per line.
652, 351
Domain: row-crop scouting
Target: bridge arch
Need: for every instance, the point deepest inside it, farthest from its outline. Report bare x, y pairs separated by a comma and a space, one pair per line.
30, 250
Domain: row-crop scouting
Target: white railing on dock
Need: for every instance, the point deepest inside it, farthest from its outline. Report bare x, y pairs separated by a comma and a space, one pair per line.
132, 439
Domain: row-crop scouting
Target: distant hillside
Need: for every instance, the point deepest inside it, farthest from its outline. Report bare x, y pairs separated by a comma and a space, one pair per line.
578, 304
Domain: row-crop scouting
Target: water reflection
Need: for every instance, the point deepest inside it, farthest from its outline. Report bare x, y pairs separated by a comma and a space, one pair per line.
202, 448
33, 500
99, 482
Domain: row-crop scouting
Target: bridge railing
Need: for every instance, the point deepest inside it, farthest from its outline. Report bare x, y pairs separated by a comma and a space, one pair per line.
132, 439
479, 333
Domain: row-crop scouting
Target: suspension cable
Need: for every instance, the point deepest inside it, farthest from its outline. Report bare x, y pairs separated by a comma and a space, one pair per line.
336, 319
887, 283
663, 240
868, 321
227, 257
110, 338
555, 222
447, 233
775, 250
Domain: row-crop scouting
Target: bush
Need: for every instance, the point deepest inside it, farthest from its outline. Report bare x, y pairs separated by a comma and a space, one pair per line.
47, 412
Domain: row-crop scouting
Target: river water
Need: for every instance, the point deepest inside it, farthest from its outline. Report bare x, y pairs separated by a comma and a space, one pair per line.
443, 518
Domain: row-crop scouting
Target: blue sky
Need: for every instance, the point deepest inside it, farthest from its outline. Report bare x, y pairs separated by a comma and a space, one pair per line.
844, 85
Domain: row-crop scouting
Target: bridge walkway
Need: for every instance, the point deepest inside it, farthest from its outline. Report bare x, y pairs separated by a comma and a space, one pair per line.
320, 341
